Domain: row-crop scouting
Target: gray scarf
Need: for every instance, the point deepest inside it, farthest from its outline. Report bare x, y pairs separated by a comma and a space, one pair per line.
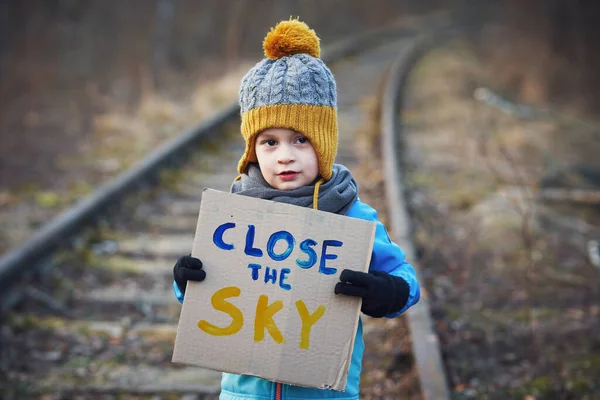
336, 195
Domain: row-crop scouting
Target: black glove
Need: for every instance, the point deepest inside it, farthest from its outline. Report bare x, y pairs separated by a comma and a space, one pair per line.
382, 293
187, 268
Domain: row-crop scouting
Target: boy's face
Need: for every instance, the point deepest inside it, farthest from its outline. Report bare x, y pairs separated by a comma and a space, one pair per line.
287, 159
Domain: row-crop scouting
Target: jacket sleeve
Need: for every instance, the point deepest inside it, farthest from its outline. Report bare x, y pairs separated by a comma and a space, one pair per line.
178, 293
387, 256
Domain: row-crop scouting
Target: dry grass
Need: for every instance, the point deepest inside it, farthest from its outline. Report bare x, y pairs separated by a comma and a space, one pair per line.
117, 139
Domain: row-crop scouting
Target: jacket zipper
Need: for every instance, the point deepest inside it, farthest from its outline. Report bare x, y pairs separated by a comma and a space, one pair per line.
278, 391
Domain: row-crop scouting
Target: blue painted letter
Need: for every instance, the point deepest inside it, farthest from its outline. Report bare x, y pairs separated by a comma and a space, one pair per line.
283, 277
218, 236
324, 256
249, 250
270, 276
312, 255
273, 240
255, 268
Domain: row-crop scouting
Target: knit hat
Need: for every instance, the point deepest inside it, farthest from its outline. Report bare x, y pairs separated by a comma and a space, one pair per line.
291, 88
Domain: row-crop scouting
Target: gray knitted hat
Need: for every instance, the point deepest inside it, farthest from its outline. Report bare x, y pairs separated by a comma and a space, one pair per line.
291, 88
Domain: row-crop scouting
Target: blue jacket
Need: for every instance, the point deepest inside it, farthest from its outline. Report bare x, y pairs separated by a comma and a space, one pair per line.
386, 256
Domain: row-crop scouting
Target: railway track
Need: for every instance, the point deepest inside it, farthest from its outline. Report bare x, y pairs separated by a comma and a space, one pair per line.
88, 308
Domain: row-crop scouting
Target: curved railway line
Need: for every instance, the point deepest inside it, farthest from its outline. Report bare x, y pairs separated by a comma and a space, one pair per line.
88, 308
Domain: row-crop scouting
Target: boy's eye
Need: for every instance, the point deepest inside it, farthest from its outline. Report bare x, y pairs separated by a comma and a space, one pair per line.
301, 140
270, 142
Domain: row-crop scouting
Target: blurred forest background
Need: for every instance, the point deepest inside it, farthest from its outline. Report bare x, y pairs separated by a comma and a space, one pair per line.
62, 62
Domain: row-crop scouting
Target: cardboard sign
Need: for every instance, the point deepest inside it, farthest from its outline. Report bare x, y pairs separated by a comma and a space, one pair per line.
267, 307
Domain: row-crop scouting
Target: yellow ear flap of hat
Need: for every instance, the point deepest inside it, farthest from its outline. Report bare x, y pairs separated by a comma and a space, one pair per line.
291, 37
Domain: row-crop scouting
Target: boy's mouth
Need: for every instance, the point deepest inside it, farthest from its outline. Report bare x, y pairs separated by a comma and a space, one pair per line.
287, 175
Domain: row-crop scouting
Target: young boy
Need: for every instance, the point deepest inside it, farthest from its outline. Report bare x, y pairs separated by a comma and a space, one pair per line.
289, 123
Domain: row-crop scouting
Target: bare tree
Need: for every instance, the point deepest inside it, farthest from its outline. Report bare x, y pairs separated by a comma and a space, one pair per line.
162, 33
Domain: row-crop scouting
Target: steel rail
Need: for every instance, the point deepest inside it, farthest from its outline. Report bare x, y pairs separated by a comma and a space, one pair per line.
425, 344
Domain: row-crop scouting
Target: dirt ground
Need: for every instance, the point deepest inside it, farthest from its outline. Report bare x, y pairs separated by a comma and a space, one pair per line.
504, 234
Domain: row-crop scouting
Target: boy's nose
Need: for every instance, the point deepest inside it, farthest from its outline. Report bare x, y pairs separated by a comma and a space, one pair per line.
286, 155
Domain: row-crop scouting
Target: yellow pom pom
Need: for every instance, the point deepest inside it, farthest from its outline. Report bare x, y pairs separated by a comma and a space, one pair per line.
291, 37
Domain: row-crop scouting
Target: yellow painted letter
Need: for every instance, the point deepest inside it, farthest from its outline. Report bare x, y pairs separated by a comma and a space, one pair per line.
264, 319
308, 321
218, 302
